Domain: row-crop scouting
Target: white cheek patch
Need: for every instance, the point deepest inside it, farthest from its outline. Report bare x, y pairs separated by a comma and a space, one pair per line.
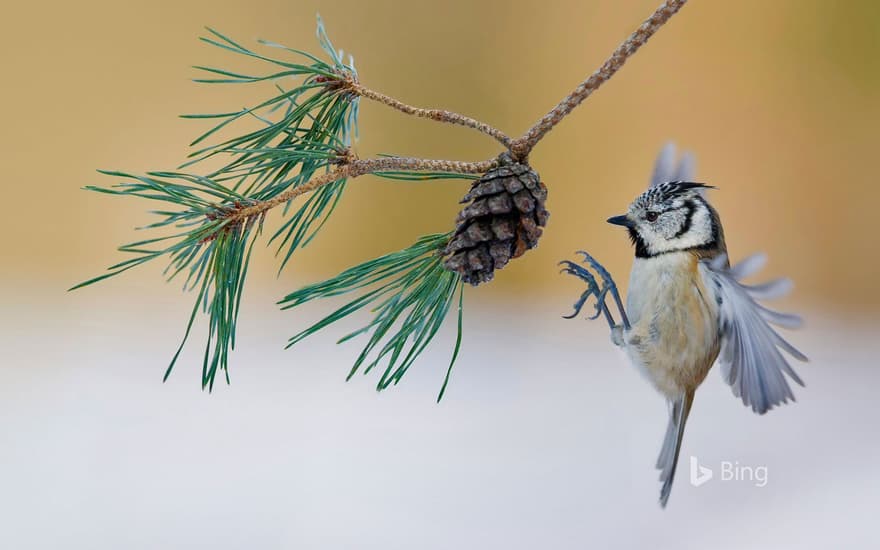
700, 233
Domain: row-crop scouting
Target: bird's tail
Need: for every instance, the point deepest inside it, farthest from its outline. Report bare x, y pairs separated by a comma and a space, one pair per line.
668, 459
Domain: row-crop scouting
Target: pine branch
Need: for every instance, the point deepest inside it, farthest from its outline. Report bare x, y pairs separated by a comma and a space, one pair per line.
439, 115
404, 165
213, 250
523, 145
313, 133
303, 145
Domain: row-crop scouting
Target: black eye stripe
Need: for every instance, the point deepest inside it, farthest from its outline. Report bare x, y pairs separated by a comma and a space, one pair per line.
688, 219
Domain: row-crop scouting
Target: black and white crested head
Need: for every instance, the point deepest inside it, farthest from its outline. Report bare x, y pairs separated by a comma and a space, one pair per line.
672, 216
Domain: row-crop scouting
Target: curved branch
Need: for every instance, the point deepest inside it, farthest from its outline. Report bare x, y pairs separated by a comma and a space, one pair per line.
523, 145
358, 167
519, 147
439, 115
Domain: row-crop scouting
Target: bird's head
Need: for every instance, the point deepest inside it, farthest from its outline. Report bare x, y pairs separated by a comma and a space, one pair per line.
669, 217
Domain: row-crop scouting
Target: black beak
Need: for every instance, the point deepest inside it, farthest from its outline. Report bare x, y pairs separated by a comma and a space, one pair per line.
621, 220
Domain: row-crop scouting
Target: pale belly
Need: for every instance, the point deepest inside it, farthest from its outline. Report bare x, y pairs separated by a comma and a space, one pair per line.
673, 340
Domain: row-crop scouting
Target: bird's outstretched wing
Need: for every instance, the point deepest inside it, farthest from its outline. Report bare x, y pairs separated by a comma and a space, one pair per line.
751, 356
666, 169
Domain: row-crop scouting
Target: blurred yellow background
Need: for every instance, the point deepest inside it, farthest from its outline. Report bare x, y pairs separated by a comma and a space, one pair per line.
546, 438
779, 101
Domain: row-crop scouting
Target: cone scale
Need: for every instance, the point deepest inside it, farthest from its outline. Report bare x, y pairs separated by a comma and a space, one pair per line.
504, 217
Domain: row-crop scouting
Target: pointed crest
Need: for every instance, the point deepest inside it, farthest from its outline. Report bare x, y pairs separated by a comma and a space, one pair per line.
667, 170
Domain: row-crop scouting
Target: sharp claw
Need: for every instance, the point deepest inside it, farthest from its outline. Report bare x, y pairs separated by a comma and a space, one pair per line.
579, 305
598, 307
600, 300
574, 269
600, 269
607, 284
574, 272
593, 289
570, 265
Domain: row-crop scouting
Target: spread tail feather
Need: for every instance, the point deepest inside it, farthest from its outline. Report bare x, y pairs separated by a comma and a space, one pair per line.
668, 459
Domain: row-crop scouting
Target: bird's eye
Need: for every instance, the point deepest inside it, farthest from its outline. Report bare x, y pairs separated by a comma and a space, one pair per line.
651, 216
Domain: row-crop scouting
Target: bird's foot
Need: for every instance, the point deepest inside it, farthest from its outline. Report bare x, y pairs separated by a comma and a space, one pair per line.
593, 289
599, 291
608, 285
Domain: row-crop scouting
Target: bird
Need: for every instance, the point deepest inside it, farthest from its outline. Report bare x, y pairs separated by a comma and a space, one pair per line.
687, 307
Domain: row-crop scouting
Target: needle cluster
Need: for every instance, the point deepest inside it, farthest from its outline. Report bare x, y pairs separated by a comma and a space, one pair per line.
296, 150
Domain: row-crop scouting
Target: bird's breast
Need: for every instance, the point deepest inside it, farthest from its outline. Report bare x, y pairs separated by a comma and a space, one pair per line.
674, 335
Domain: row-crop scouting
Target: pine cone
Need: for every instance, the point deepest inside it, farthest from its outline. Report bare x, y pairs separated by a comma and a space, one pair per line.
502, 221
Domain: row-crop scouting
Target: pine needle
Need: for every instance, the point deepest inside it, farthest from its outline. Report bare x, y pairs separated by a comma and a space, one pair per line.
409, 293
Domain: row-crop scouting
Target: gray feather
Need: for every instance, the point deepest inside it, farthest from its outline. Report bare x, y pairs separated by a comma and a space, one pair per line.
749, 266
750, 358
664, 166
686, 167
666, 169
668, 459
786, 320
770, 290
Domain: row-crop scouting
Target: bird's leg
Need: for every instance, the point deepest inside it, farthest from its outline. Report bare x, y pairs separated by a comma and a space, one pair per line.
592, 290
609, 286
617, 336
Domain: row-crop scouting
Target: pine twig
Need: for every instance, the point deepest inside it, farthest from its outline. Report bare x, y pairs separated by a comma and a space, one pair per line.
523, 145
439, 115
359, 167
520, 147
304, 146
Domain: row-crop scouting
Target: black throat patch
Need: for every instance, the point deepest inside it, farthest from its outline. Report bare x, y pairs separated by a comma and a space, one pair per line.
639, 243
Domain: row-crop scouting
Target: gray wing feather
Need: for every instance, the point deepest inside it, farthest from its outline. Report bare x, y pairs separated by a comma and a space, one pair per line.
750, 358
749, 266
776, 288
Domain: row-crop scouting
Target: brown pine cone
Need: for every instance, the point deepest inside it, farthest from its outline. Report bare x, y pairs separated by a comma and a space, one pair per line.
502, 221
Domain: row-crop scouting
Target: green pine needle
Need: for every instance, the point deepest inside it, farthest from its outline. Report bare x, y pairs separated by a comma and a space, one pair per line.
410, 293
301, 130
212, 252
